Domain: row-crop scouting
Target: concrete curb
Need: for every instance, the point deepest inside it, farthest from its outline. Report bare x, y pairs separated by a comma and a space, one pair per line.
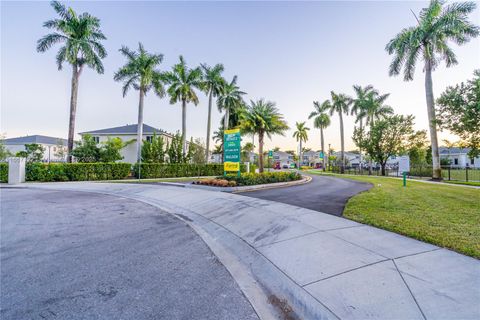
304, 180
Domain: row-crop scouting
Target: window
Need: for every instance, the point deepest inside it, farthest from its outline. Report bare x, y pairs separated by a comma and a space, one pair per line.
96, 139
455, 161
472, 161
149, 138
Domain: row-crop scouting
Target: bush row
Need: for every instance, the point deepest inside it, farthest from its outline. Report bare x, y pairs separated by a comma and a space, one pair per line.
248, 179
76, 171
3, 172
167, 170
113, 171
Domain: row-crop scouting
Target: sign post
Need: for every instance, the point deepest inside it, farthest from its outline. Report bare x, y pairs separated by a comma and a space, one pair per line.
231, 151
404, 167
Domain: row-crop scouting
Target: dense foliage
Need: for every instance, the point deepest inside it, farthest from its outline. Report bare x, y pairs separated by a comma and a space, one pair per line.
248, 179
3, 172
458, 111
153, 151
33, 152
88, 151
76, 171
163, 170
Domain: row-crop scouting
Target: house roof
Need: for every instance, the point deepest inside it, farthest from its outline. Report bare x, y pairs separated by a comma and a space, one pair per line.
445, 150
39, 139
128, 129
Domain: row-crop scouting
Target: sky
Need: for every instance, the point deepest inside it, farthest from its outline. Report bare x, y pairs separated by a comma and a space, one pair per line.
291, 53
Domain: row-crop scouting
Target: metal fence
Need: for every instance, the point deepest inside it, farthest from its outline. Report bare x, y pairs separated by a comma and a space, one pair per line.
449, 173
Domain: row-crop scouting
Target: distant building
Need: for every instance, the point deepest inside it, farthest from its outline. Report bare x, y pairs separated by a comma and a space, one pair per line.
351, 159
216, 158
52, 146
128, 133
458, 157
282, 159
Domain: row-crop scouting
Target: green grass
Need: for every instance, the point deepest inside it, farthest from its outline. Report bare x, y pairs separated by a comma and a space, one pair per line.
447, 216
466, 183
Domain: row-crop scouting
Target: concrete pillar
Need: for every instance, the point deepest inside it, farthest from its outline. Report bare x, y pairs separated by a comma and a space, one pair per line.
16, 170
248, 166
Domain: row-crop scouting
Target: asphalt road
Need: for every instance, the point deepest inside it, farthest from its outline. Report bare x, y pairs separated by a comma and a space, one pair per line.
74, 255
323, 193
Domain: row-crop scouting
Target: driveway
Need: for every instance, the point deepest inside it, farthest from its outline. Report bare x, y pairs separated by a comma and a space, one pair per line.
323, 193
76, 255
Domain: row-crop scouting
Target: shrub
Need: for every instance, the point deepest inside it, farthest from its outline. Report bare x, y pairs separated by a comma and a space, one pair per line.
3, 172
248, 179
175, 170
76, 171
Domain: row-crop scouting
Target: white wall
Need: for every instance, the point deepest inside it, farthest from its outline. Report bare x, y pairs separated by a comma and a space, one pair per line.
48, 153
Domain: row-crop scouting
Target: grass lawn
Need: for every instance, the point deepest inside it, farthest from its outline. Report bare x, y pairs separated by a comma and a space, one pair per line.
448, 216
467, 183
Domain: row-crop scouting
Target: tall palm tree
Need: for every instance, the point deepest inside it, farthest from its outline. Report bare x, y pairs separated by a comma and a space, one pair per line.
262, 118
213, 86
321, 121
230, 100
81, 37
428, 40
182, 83
301, 135
140, 73
340, 103
374, 108
359, 105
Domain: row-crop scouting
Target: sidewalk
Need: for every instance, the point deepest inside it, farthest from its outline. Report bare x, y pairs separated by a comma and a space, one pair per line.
316, 266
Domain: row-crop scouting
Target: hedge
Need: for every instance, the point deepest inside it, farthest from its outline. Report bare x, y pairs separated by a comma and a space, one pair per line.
76, 171
171, 170
3, 172
248, 179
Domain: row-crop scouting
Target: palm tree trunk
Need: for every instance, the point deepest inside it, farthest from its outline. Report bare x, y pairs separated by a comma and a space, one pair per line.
260, 152
300, 156
184, 127
370, 160
225, 120
342, 145
209, 117
140, 126
73, 111
437, 171
323, 149
360, 149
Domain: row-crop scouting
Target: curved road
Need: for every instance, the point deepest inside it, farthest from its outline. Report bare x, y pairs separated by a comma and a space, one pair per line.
77, 255
324, 193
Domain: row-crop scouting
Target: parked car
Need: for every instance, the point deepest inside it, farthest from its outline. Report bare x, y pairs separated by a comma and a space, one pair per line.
285, 166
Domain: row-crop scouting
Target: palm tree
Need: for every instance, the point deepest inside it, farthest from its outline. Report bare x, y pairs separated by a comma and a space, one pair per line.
358, 105
140, 73
340, 103
81, 37
262, 118
301, 134
428, 41
213, 86
182, 83
231, 101
321, 121
374, 108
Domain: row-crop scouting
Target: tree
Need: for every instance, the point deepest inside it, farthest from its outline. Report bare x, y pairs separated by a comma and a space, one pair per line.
4, 152
182, 83
262, 118
458, 111
359, 106
428, 40
175, 150
231, 102
86, 150
110, 150
33, 152
153, 151
340, 103
387, 137
197, 151
321, 121
301, 135
60, 152
81, 38
140, 73
247, 149
417, 148
214, 84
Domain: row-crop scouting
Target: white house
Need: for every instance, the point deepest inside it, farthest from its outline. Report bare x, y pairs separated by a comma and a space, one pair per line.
458, 157
54, 149
128, 133
216, 158
282, 159
351, 159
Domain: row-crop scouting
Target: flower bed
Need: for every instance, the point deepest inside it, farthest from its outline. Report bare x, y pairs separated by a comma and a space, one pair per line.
250, 179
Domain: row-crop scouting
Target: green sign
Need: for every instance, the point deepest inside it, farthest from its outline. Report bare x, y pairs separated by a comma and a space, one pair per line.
270, 154
231, 150
320, 155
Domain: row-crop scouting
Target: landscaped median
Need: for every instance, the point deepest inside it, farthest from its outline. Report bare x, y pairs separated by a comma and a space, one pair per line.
250, 179
448, 216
